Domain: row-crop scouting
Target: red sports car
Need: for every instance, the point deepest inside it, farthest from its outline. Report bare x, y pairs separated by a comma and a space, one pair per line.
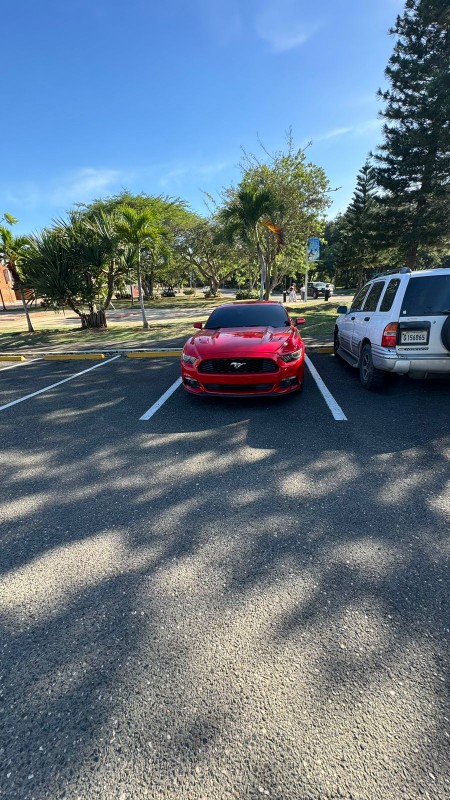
245, 349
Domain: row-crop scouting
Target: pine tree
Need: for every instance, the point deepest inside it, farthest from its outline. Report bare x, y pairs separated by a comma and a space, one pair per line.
359, 251
413, 163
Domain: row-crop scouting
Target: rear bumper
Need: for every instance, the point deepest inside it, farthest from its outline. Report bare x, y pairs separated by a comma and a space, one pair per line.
403, 363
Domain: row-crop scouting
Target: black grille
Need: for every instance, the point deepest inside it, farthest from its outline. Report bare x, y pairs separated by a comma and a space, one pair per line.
250, 366
238, 388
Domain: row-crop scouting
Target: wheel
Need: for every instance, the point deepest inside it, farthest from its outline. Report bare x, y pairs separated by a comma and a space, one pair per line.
445, 334
336, 342
315, 294
370, 376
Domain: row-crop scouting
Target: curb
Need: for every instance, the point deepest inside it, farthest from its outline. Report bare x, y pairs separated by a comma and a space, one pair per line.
153, 353
73, 357
87, 355
324, 349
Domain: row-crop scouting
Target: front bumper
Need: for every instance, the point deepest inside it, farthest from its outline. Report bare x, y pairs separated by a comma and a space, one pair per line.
287, 379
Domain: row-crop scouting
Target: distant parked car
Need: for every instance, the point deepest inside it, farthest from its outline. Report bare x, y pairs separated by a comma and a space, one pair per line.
168, 292
318, 288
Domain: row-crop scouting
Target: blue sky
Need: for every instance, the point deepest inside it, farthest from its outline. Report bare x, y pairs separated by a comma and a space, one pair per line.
160, 97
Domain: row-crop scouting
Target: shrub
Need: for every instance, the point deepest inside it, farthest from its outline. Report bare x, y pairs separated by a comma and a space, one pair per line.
188, 291
247, 294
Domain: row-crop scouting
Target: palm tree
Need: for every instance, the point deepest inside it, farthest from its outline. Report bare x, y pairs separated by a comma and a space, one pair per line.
12, 250
139, 229
65, 266
103, 227
243, 216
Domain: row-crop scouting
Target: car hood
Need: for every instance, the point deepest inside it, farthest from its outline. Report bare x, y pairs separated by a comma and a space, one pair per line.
251, 341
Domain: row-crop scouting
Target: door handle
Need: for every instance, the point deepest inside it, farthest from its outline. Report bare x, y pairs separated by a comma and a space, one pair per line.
366, 319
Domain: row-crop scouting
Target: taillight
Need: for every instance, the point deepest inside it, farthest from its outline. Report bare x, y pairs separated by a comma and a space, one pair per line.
389, 338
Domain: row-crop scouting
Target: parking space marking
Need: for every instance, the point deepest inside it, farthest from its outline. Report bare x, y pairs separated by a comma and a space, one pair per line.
59, 383
154, 408
332, 404
20, 364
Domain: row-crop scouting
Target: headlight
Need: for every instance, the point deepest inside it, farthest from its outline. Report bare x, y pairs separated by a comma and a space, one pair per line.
291, 356
188, 359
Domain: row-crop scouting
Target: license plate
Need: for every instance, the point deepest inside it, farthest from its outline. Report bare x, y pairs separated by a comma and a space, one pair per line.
414, 337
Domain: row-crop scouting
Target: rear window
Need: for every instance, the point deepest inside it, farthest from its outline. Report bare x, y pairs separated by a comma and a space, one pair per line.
427, 296
248, 316
389, 295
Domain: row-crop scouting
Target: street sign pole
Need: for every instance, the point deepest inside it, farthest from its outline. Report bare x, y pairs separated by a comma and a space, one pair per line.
312, 254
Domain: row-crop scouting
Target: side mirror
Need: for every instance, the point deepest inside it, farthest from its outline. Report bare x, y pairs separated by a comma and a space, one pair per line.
300, 321
198, 325
342, 309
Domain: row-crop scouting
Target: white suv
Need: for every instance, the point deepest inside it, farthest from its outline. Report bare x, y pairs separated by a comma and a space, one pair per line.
398, 322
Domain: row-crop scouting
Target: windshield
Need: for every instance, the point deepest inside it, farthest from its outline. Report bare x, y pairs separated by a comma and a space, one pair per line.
248, 316
426, 296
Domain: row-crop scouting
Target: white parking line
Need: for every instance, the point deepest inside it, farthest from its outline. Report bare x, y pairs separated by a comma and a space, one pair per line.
20, 364
332, 404
53, 385
154, 408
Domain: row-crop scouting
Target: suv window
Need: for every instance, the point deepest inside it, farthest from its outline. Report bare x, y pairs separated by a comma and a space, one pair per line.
426, 296
373, 296
389, 295
358, 298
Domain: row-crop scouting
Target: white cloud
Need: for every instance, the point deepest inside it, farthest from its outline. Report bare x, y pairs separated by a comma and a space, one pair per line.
360, 129
278, 25
333, 134
368, 126
173, 176
79, 186
83, 185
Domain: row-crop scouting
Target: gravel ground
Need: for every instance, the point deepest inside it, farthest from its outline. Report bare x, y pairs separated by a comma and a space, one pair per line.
229, 601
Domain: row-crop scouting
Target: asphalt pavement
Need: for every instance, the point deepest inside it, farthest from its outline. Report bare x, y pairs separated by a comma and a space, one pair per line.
233, 599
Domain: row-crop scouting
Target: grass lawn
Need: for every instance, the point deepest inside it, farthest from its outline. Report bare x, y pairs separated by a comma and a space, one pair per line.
187, 301
320, 320
115, 336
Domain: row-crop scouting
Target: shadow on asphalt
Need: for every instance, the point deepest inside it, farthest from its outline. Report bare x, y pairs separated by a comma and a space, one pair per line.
226, 586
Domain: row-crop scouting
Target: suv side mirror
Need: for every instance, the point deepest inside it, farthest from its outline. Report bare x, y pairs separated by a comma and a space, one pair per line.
342, 309
198, 325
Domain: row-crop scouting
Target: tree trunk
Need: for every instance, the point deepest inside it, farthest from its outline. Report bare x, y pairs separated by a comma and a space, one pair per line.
25, 308
149, 283
214, 286
94, 319
110, 291
141, 296
411, 257
262, 264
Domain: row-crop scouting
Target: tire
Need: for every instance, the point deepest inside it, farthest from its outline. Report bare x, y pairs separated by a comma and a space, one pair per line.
445, 334
336, 342
315, 294
371, 378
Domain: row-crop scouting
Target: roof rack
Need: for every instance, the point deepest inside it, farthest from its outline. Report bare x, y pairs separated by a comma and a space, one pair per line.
401, 271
